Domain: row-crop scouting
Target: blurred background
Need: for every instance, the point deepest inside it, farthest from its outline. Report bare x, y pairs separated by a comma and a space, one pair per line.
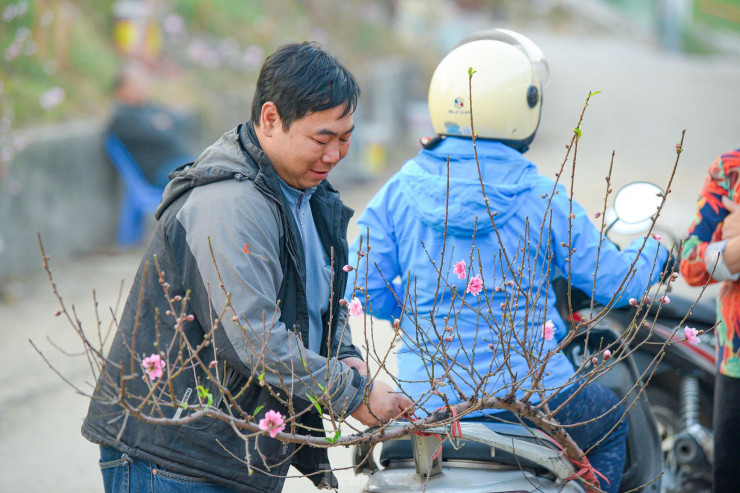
661, 66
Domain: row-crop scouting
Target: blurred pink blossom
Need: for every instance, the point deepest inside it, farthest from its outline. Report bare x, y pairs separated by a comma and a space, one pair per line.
355, 307
52, 98
459, 269
692, 335
548, 330
154, 366
253, 56
475, 285
173, 25
272, 423
16, 46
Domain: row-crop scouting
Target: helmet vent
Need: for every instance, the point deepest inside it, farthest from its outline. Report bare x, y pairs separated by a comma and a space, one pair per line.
533, 96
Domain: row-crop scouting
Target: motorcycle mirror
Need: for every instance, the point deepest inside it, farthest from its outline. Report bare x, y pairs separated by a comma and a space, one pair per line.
634, 205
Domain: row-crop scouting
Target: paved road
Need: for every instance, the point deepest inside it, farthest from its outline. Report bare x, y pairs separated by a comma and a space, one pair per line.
647, 98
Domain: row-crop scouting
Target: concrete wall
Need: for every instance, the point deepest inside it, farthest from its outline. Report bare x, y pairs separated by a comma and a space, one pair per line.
63, 187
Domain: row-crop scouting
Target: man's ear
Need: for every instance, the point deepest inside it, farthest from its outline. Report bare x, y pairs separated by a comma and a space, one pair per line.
270, 118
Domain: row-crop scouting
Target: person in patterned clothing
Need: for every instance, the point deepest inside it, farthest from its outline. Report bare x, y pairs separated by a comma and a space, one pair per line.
712, 254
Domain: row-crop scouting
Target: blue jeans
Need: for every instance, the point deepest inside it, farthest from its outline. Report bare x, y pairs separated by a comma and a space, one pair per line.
123, 474
593, 400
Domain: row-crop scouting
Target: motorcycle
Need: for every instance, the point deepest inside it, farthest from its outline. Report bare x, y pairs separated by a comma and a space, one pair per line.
667, 385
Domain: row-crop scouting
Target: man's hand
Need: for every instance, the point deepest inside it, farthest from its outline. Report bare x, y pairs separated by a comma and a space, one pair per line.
356, 363
385, 403
731, 223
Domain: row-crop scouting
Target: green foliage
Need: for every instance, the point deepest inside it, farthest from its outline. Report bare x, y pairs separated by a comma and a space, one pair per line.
335, 437
315, 402
68, 47
220, 17
205, 395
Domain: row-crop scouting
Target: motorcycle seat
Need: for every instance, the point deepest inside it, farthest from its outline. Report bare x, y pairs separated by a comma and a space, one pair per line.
471, 451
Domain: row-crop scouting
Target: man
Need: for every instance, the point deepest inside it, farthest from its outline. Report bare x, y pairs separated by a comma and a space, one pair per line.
157, 137
249, 249
712, 254
474, 302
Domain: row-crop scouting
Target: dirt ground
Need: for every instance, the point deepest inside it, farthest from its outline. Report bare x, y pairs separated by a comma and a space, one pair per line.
647, 99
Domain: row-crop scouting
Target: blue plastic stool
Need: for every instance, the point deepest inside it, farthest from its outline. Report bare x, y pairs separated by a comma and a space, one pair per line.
141, 197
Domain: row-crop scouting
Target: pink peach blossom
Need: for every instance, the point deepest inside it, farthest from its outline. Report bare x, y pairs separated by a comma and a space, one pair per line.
548, 330
355, 307
154, 366
692, 335
459, 269
475, 285
272, 423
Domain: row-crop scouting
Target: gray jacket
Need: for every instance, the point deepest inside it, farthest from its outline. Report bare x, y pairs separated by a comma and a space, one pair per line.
227, 243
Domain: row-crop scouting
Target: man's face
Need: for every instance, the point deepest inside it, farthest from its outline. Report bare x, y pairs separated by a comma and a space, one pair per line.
305, 154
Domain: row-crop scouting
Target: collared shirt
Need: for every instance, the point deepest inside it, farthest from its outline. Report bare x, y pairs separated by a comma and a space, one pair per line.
318, 267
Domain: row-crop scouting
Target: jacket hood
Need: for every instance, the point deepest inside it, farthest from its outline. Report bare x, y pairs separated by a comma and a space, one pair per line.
506, 174
233, 156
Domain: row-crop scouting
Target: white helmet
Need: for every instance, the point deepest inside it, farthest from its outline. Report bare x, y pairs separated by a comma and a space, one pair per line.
510, 72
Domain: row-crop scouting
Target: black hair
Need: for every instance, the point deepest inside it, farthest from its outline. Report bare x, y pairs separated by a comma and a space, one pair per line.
302, 78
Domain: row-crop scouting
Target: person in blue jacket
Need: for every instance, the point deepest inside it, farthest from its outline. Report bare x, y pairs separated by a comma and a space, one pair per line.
462, 250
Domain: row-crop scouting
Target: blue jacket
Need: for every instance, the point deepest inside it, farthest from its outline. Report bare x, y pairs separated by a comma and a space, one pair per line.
410, 250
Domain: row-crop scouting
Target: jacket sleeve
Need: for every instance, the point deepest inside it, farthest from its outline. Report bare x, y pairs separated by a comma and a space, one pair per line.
233, 235
377, 269
706, 225
612, 267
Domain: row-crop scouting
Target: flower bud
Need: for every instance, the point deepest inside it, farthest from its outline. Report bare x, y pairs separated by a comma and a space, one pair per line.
348, 268
607, 355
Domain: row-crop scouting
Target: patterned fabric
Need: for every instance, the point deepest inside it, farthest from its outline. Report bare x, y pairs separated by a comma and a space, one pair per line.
706, 228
